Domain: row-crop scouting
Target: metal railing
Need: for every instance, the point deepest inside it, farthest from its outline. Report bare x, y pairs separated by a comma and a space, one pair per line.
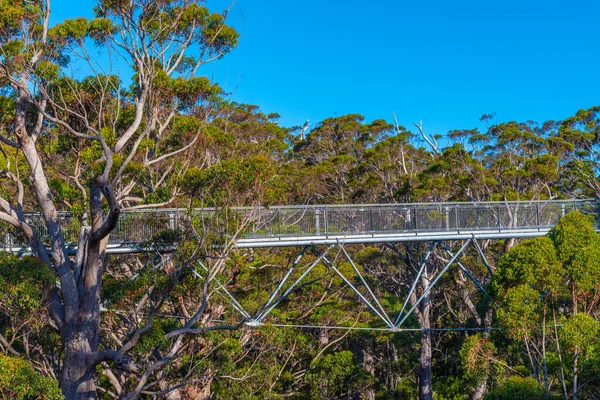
343, 220
136, 227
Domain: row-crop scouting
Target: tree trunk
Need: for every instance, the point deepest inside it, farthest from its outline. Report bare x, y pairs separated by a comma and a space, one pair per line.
575, 373
78, 378
480, 391
368, 364
425, 378
81, 341
481, 388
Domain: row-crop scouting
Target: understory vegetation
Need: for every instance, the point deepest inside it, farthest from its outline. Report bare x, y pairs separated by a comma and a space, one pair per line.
80, 323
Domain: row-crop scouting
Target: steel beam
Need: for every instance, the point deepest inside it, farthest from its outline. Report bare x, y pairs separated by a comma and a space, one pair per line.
383, 312
483, 257
414, 285
282, 282
388, 238
385, 320
432, 284
267, 309
470, 275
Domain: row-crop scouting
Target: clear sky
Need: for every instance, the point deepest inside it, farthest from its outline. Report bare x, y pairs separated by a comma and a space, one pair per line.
443, 62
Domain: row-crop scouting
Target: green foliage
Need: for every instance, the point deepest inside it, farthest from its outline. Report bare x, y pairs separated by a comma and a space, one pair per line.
579, 332
453, 388
21, 285
100, 29
335, 375
69, 31
517, 388
47, 70
476, 355
155, 337
533, 262
519, 312
554, 275
19, 381
578, 248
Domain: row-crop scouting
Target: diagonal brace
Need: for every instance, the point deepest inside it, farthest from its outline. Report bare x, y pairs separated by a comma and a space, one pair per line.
437, 278
154, 267
473, 279
367, 302
414, 285
236, 305
387, 318
483, 257
285, 278
270, 306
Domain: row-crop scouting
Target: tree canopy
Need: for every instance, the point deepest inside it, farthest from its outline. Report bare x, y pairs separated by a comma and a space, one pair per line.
77, 149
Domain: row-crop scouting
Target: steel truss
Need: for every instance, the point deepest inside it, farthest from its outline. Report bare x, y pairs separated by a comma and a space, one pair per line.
369, 299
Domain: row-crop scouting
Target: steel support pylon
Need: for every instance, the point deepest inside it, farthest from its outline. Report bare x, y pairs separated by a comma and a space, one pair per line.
369, 299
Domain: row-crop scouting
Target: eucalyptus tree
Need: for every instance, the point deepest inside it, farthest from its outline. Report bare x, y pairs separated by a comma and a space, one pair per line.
549, 293
113, 142
334, 154
577, 140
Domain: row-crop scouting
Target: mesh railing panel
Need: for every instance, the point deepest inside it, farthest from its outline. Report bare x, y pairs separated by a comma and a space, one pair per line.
318, 221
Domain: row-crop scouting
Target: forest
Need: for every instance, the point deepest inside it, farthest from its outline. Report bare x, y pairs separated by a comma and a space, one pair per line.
78, 323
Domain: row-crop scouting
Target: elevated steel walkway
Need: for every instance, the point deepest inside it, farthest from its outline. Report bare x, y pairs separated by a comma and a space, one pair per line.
331, 227
327, 224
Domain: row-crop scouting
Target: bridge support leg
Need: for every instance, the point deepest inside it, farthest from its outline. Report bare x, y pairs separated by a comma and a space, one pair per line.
414, 285
234, 303
437, 278
469, 274
381, 315
387, 319
483, 257
271, 305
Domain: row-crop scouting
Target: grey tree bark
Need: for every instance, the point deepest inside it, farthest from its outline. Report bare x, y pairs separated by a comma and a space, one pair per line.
425, 356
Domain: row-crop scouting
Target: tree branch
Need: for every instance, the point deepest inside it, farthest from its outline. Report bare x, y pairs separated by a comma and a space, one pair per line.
431, 142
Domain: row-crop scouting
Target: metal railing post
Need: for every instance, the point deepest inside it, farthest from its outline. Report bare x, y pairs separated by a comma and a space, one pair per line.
537, 215
456, 218
415, 226
447, 211
318, 222
371, 220
326, 221
499, 221
598, 213
279, 221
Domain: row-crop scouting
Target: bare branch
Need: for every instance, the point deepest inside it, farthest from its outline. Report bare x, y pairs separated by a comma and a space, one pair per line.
401, 145
9, 142
431, 142
174, 153
113, 216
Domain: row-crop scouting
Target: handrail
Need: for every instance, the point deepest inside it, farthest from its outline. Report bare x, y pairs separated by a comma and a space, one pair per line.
305, 221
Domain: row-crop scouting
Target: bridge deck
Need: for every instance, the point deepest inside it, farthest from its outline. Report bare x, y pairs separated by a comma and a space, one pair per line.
328, 224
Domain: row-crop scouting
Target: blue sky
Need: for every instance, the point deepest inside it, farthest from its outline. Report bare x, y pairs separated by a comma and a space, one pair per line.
443, 62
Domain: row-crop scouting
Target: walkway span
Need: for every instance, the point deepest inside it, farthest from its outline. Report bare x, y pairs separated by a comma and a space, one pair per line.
378, 223
332, 227
330, 224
